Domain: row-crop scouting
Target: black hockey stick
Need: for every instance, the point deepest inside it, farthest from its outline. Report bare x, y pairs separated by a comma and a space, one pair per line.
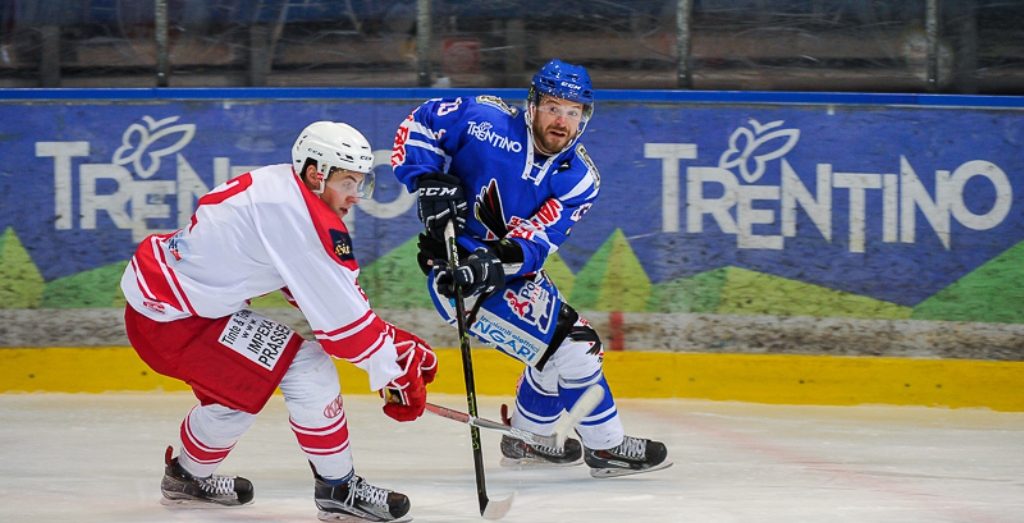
489, 509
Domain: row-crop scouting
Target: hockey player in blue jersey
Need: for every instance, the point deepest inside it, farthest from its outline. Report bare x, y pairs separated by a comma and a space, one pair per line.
515, 181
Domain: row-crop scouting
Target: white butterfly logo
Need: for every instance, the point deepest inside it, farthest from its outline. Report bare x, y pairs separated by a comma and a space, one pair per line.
751, 149
138, 140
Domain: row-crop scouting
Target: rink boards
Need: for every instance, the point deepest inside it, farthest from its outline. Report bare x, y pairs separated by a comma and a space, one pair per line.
761, 378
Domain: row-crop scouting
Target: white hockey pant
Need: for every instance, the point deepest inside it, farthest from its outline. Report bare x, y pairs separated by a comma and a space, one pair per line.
312, 396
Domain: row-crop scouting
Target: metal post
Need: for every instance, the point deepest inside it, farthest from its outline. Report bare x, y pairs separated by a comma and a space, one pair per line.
932, 37
684, 22
163, 59
967, 49
49, 61
259, 54
423, 43
515, 57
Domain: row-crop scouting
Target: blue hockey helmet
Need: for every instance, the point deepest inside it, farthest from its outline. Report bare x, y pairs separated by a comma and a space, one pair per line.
562, 80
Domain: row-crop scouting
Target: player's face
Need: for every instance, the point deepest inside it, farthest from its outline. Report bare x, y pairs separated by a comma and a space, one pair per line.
342, 191
555, 123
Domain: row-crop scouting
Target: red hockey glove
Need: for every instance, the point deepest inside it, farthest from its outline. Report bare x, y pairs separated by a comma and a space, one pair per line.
406, 395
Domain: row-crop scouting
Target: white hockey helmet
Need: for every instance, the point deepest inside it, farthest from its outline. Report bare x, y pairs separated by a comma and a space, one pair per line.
334, 145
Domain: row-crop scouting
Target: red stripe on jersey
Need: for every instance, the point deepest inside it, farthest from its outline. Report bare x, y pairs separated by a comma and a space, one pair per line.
140, 282
351, 329
196, 450
324, 219
288, 296
323, 441
356, 341
152, 272
174, 279
369, 352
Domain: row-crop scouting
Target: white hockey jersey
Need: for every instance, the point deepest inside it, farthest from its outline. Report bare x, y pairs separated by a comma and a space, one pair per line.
257, 233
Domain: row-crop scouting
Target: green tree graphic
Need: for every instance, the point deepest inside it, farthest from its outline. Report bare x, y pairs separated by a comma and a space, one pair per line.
21, 284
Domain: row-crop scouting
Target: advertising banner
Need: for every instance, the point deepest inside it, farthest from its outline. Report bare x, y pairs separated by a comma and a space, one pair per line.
821, 210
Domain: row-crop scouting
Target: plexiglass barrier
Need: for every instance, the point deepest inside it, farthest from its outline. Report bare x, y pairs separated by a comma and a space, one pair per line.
958, 46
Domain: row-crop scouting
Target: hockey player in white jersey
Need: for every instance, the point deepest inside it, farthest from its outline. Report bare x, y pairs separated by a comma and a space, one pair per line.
277, 228
514, 183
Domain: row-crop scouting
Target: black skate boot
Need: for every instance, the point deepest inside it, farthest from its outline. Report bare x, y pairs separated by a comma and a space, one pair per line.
358, 501
517, 452
632, 456
181, 488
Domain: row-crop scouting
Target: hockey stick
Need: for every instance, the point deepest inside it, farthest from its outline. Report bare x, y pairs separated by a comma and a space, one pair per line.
484, 423
583, 407
489, 509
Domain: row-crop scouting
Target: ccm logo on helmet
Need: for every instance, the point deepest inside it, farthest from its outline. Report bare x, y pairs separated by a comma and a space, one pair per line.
570, 85
437, 191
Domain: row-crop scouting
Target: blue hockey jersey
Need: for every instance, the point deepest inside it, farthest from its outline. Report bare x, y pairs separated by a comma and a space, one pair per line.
514, 192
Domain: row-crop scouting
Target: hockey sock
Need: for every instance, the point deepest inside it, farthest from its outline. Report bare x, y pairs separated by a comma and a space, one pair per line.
602, 428
536, 409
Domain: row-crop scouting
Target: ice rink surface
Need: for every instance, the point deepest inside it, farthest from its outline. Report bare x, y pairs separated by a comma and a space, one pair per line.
98, 458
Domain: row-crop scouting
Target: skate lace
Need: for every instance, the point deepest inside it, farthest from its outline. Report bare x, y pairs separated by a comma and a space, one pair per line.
217, 485
371, 494
551, 451
632, 448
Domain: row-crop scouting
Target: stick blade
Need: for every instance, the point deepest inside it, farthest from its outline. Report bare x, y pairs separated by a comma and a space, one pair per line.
497, 508
590, 399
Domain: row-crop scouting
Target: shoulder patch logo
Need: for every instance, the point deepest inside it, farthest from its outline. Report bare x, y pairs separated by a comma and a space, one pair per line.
341, 245
494, 101
581, 151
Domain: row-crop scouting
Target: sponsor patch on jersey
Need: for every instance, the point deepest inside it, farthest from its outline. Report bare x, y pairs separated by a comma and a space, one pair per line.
508, 338
494, 101
532, 304
261, 340
582, 153
341, 245
484, 131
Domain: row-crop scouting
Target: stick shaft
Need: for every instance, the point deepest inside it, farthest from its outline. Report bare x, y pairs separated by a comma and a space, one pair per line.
484, 423
467, 370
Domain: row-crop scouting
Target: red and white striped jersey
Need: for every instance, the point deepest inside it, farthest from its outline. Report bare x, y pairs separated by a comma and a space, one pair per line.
257, 233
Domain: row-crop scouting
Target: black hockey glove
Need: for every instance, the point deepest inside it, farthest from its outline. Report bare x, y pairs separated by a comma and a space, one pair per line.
481, 272
430, 249
441, 199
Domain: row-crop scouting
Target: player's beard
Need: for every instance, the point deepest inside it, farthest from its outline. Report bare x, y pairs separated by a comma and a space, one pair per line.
549, 143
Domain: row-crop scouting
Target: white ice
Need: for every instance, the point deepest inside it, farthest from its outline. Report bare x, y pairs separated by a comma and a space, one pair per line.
99, 458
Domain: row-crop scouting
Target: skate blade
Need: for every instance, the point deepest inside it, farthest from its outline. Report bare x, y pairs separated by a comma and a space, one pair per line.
618, 473
532, 463
192, 504
349, 518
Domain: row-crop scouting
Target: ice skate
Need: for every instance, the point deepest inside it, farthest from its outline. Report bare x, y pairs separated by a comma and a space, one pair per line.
518, 453
632, 456
358, 501
183, 489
